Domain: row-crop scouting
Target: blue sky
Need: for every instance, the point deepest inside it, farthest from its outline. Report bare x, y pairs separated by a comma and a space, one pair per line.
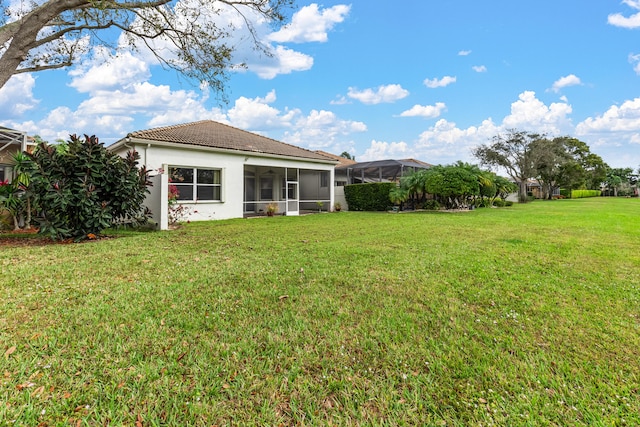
427, 79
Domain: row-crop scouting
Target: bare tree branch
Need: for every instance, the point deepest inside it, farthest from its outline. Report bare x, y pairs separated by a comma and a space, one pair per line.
50, 35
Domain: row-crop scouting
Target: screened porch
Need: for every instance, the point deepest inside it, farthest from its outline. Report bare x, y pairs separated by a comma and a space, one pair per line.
292, 191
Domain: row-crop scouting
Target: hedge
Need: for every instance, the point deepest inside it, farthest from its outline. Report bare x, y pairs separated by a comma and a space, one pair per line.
579, 194
368, 197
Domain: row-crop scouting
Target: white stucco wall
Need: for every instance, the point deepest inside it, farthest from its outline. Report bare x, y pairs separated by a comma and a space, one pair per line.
158, 158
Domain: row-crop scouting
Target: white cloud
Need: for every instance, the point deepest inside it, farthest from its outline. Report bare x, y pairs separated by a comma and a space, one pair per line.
619, 20
625, 118
380, 150
340, 100
464, 53
322, 129
283, 61
426, 111
119, 72
16, 96
256, 114
479, 68
434, 83
111, 114
310, 24
533, 115
445, 142
383, 94
635, 60
562, 82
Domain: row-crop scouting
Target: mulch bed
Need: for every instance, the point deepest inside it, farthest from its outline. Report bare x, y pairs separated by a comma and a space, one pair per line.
30, 237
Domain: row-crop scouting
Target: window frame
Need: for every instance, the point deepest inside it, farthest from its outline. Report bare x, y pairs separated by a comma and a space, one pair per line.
195, 185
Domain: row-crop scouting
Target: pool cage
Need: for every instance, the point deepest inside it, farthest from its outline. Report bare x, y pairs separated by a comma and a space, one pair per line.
377, 171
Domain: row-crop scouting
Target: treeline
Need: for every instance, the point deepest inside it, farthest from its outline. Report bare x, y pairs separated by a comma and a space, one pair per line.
561, 162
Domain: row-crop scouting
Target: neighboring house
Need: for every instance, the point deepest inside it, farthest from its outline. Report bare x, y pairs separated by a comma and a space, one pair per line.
11, 142
222, 172
536, 189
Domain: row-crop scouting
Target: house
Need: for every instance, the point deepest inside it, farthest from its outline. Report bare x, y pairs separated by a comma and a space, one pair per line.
11, 142
222, 172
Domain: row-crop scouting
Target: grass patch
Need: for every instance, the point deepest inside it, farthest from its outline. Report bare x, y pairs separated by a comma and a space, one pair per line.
527, 315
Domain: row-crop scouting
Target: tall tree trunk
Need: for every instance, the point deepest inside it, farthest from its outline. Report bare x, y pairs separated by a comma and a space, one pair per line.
522, 192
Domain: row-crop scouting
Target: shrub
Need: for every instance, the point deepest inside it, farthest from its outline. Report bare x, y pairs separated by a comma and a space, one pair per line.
579, 194
86, 189
508, 203
499, 203
431, 205
368, 197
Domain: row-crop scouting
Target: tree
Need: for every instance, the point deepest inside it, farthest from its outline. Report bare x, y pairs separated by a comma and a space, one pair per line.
183, 35
86, 189
550, 157
414, 185
398, 195
23, 169
454, 185
620, 178
504, 187
486, 186
11, 201
513, 152
15, 196
346, 155
585, 170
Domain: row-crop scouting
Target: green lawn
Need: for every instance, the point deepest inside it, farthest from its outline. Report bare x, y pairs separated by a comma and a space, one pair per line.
528, 315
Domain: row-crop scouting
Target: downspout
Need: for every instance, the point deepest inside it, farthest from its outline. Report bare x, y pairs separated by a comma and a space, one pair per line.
332, 177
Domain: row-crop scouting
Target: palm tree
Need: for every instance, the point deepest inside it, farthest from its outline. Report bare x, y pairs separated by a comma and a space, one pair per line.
398, 196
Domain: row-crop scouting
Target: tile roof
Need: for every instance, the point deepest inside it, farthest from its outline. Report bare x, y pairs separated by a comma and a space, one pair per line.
342, 161
208, 133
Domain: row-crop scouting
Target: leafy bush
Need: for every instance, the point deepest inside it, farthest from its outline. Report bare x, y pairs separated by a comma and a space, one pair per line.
508, 203
86, 189
579, 194
431, 205
499, 203
368, 197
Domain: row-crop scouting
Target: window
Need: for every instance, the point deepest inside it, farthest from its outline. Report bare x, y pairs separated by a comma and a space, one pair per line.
266, 188
195, 184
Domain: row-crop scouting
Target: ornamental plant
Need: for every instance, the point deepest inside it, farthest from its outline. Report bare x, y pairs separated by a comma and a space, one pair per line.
177, 212
10, 201
85, 189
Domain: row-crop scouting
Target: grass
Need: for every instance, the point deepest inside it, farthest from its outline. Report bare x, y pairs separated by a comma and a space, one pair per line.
527, 315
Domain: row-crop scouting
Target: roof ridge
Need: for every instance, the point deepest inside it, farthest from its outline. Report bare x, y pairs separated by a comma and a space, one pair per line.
176, 126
